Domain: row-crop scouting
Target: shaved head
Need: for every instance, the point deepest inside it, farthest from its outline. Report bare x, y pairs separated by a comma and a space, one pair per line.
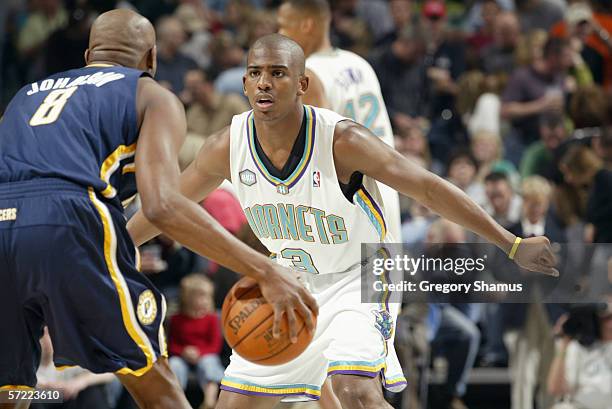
317, 8
122, 37
278, 42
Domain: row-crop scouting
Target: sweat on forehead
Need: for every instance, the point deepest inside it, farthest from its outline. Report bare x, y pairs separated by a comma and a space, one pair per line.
278, 42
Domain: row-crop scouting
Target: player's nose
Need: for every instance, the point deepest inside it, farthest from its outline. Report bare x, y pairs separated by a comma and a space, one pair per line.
264, 82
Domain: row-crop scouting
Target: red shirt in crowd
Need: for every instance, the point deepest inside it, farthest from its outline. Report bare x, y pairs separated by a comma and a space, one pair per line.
203, 333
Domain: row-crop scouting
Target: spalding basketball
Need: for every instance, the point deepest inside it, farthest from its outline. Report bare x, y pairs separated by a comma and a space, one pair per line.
247, 326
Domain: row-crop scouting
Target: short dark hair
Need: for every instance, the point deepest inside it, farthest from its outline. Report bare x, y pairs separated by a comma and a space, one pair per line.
497, 176
551, 119
462, 153
316, 7
554, 46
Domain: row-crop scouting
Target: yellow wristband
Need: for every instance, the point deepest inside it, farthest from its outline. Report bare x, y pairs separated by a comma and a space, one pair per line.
514, 248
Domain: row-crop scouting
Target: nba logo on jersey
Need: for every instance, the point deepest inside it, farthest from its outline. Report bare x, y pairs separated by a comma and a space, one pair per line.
282, 189
316, 178
247, 177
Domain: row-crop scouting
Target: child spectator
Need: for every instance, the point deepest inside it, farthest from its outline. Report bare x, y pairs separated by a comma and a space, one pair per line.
195, 338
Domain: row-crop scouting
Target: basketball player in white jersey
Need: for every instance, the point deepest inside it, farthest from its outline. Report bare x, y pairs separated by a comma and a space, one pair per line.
305, 179
341, 81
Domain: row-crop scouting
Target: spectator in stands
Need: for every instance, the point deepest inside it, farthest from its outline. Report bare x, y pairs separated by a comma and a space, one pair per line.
583, 374
195, 338
402, 16
411, 142
462, 171
172, 65
374, 13
64, 50
499, 57
483, 35
584, 170
589, 31
538, 158
445, 62
236, 17
529, 336
589, 107
81, 388
228, 63
165, 262
488, 152
401, 73
502, 203
473, 19
478, 102
538, 14
533, 90
349, 31
208, 112
47, 17
455, 334
198, 40
259, 24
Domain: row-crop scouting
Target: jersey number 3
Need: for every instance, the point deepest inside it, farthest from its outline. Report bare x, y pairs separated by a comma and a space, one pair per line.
51, 107
301, 260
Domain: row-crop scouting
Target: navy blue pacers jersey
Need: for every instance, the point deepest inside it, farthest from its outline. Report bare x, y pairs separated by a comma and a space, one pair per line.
67, 146
79, 125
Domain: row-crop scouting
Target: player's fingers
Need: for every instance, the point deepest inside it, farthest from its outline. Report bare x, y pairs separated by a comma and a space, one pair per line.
547, 258
278, 315
310, 301
551, 271
292, 321
307, 316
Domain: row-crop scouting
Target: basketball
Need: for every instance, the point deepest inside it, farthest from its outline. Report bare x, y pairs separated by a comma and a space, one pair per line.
247, 321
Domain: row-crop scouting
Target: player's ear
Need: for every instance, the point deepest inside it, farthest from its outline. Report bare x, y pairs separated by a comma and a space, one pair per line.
86, 56
244, 85
307, 24
303, 82
152, 61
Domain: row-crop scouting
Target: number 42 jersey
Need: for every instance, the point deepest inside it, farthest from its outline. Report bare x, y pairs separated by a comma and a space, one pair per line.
79, 125
305, 219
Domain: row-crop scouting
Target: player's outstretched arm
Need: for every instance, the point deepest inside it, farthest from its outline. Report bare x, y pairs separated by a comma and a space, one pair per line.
357, 149
162, 132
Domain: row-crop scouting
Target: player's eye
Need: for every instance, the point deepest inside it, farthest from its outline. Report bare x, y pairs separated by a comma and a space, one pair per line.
253, 73
278, 73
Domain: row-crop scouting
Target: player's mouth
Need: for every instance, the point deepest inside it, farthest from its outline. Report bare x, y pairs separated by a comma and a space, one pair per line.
264, 102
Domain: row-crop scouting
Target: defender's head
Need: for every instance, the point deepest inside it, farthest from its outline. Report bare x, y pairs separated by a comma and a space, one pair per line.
306, 22
275, 80
125, 38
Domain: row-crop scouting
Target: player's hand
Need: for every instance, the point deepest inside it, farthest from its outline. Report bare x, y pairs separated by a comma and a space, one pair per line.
286, 294
536, 254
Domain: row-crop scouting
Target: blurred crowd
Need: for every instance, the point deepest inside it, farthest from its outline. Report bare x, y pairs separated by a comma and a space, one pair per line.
510, 100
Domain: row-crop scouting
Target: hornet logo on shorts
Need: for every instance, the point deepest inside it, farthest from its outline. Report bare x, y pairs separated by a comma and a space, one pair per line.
384, 323
247, 177
147, 307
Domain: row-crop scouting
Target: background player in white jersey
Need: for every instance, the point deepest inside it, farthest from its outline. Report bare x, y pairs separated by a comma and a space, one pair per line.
278, 156
340, 80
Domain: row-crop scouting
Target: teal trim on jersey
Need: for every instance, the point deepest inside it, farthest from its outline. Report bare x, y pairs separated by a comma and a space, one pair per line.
306, 156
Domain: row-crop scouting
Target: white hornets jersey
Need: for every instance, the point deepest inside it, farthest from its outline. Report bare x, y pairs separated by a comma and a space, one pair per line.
352, 89
305, 220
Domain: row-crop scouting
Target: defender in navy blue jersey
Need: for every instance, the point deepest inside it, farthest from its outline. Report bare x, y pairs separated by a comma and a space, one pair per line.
70, 146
